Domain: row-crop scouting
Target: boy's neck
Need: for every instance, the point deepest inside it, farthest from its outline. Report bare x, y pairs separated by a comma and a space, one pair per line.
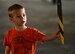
20, 28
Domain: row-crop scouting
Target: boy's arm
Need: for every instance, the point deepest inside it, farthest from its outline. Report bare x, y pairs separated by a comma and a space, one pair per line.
7, 50
51, 37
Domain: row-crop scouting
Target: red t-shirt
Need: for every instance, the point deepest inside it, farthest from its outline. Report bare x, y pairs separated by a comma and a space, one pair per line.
23, 42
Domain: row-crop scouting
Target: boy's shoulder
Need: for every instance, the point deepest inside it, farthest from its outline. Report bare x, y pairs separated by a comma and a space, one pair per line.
9, 31
32, 28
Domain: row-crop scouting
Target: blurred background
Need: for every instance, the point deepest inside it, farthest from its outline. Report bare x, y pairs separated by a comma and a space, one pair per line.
42, 14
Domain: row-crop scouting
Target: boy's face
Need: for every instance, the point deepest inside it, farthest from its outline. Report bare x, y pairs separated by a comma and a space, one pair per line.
19, 17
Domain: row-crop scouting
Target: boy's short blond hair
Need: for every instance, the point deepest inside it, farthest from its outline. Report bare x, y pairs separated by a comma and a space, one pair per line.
14, 7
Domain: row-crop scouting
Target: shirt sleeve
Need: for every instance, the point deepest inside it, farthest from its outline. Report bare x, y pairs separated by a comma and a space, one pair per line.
6, 39
38, 36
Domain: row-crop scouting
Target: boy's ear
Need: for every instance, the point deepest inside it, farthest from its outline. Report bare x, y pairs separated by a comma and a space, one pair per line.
10, 19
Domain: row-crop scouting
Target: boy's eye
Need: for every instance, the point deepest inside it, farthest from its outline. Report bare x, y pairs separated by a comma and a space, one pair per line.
20, 16
23, 14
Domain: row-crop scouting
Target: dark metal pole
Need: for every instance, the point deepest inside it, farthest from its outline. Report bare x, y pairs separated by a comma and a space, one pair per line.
60, 20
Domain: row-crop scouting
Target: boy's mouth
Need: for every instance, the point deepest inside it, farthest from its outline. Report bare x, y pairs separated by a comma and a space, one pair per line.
22, 21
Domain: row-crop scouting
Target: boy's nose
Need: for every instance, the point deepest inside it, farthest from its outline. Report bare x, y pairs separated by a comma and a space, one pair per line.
22, 18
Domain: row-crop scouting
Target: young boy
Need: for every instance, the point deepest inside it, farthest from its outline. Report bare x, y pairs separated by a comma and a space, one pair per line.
21, 39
